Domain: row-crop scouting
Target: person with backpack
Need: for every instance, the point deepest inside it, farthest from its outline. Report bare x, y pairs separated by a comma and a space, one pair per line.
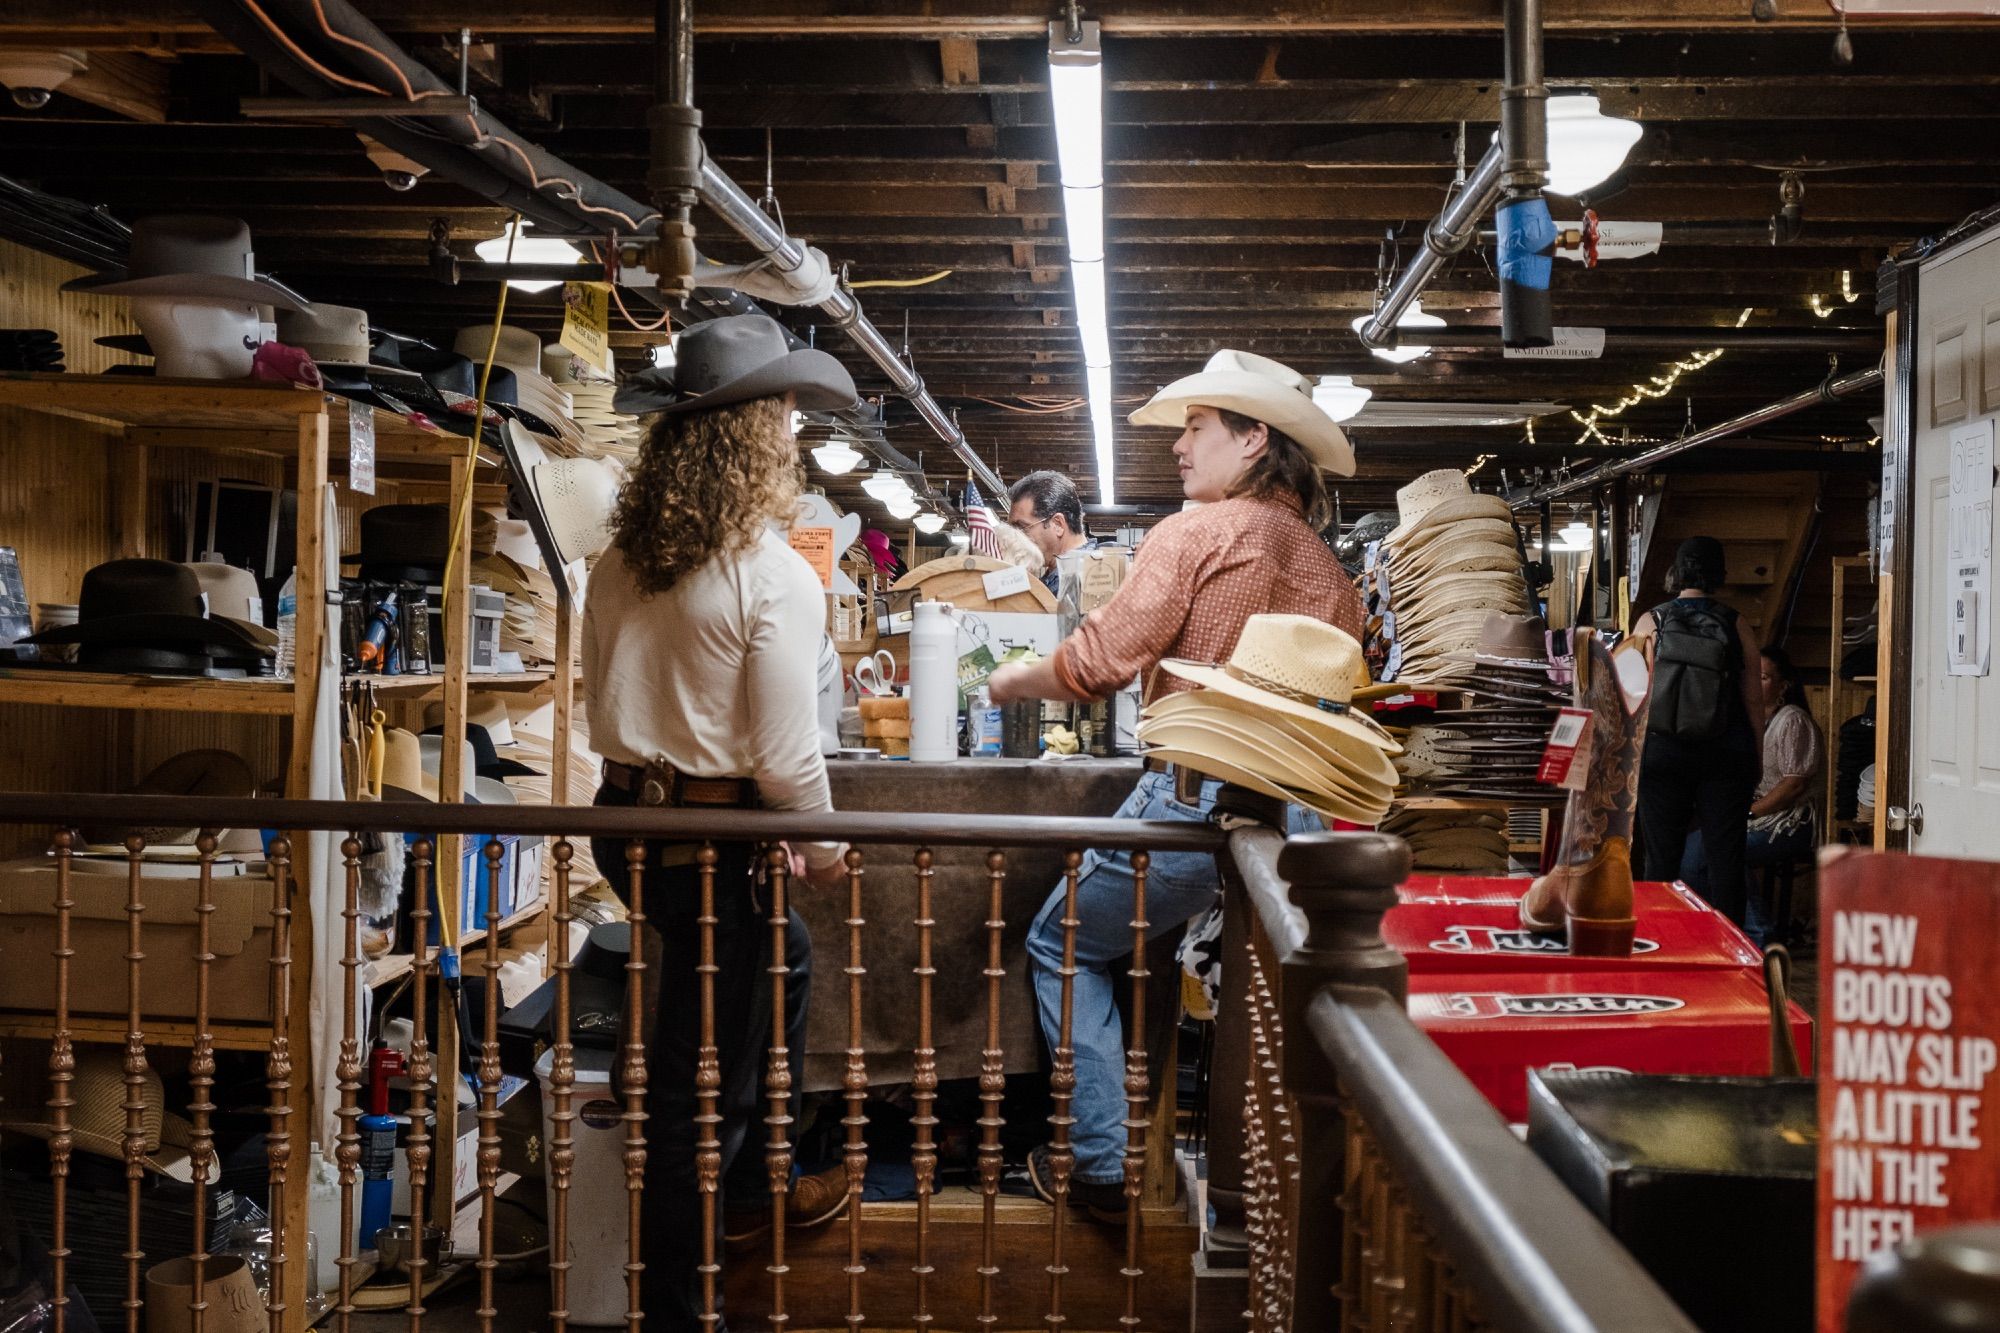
1703, 757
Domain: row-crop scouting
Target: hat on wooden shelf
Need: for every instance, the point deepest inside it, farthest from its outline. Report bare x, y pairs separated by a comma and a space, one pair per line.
192, 257
97, 1118
140, 614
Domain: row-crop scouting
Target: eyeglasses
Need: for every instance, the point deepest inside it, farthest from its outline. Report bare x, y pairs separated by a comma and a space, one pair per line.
1030, 527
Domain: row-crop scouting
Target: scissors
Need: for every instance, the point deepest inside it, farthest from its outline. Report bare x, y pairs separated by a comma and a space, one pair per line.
875, 674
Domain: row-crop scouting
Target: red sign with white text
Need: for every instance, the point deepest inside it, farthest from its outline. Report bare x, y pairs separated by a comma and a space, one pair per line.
1907, 1140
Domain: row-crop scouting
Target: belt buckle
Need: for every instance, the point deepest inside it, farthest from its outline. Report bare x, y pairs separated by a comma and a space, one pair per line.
1187, 785
657, 785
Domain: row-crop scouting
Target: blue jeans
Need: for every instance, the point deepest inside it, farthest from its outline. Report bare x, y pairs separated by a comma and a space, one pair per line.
1760, 848
1179, 885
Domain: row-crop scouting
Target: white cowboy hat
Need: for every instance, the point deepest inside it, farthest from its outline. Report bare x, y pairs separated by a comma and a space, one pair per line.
1425, 494
1263, 390
1296, 667
1348, 767
1224, 749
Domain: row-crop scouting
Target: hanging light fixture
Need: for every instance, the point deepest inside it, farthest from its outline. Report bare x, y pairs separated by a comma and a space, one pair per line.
1586, 147
1076, 91
930, 524
1413, 318
837, 457
1340, 397
527, 250
1577, 535
903, 506
885, 486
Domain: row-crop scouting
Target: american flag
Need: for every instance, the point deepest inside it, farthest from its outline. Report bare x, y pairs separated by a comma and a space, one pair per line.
979, 523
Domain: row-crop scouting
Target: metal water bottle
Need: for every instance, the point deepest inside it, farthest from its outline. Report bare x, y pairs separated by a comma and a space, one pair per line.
933, 684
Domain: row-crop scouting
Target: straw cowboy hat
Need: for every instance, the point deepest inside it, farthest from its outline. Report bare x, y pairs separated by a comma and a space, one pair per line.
191, 257
733, 360
1299, 668
1441, 497
1354, 770
1225, 745
1263, 390
97, 1120
219, 773
570, 500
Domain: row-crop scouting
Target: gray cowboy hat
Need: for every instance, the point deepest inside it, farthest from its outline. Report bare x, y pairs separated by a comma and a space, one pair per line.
194, 257
733, 360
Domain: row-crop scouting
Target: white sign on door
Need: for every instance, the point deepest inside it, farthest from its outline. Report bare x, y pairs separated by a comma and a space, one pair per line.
1967, 585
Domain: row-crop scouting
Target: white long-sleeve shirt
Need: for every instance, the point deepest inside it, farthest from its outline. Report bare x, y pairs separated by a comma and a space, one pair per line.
717, 676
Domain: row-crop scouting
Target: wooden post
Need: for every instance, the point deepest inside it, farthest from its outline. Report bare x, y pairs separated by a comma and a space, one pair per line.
1344, 883
448, 872
1221, 1267
565, 692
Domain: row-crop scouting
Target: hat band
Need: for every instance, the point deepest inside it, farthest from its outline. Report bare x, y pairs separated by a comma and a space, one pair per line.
1235, 672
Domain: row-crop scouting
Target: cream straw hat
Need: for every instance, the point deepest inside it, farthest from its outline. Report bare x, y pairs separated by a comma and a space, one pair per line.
1296, 667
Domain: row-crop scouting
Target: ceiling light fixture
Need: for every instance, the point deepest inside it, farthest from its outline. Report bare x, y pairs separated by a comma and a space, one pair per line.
1340, 397
1576, 536
1076, 92
1413, 318
929, 524
837, 457
886, 486
1586, 147
902, 506
527, 250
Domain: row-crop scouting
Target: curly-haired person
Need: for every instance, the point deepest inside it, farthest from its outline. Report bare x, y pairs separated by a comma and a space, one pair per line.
699, 665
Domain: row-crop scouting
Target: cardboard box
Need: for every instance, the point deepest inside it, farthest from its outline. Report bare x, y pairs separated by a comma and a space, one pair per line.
1497, 1026
1488, 938
239, 934
1468, 890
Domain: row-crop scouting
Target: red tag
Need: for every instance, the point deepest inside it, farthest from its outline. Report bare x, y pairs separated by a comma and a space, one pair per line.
1568, 740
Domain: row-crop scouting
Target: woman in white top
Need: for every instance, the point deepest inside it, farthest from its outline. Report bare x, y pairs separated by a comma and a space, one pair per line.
1783, 814
701, 632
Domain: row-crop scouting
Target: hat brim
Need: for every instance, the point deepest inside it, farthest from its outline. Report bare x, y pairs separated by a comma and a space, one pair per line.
1223, 768
1349, 728
820, 383
1261, 399
193, 287
1469, 531
148, 628
173, 1162
1256, 752
1355, 769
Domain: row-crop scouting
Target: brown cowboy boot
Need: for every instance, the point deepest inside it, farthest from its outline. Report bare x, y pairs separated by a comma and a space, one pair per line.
1589, 891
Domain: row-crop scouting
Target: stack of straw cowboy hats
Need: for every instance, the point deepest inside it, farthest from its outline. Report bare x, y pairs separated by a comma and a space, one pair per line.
1451, 560
1278, 718
1490, 747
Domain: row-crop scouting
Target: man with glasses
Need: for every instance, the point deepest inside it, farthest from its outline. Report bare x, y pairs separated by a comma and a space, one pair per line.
1046, 507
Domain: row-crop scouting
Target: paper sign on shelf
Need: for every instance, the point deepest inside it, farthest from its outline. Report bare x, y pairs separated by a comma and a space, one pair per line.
361, 448
586, 326
1005, 582
816, 545
1909, 1141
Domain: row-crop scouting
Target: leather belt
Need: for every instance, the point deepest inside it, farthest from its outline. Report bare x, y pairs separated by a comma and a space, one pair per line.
662, 784
1187, 782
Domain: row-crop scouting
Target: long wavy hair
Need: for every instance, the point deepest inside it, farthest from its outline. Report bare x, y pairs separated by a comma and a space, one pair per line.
705, 485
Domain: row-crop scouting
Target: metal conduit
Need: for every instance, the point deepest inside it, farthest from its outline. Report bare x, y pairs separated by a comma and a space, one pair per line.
1481, 338
1449, 233
728, 201
1861, 381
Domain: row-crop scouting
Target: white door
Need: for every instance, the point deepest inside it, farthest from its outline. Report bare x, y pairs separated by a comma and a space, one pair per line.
1954, 719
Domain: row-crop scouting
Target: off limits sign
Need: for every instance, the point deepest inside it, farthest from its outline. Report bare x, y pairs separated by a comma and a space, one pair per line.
1911, 1008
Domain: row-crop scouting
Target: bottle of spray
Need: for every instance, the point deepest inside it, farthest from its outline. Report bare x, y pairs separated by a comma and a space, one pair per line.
378, 1144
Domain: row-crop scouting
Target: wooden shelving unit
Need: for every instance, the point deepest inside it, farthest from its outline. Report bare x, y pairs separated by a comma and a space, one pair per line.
307, 429
1843, 697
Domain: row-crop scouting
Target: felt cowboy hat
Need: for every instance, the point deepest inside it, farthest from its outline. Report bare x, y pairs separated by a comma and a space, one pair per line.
733, 360
232, 594
219, 773
486, 760
97, 1117
1297, 667
478, 790
520, 351
1263, 390
489, 714
1514, 641
192, 257
403, 543
152, 604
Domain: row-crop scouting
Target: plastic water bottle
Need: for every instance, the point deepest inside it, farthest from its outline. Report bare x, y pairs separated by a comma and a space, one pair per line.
288, 623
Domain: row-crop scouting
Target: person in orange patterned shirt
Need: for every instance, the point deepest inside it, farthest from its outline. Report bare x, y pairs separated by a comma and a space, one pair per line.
1251, 450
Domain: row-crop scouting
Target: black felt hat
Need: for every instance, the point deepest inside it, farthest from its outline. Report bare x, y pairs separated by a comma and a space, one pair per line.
486, 760
405, 543
151, 605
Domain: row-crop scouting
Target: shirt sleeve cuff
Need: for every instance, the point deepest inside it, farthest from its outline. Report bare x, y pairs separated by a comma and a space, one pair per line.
1062, 665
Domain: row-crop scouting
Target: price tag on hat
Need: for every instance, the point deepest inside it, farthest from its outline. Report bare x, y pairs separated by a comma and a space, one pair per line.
1566, 759
361, 448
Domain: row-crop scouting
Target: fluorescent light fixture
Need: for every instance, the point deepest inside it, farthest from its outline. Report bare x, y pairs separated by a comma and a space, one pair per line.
527, 250
929, 524
1340, 397
837, 457
885, 486
1413, 318
1431, 416
1076, 95
902, 506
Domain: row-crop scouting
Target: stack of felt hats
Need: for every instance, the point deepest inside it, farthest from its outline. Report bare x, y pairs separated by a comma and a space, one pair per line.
1463, 842
606, 430
520, 351
1491, 747
1451, 561
1278, 718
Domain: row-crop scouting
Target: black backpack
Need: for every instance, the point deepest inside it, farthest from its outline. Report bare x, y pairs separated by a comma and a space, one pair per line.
1697, 670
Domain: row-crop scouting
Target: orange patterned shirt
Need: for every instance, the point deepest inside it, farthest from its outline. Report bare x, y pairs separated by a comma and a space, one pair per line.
1198, 577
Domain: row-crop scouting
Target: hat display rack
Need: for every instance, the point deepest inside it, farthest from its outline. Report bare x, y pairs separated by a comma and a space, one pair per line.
196, 641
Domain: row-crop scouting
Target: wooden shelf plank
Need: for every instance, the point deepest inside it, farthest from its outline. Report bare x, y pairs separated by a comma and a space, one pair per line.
258, 696
110, 1030
507, 923
432, 687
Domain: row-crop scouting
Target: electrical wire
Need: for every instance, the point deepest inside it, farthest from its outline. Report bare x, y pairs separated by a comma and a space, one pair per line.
938, 276
609, 254
1069, 406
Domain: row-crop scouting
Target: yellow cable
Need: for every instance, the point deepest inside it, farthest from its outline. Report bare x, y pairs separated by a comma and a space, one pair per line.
938, 276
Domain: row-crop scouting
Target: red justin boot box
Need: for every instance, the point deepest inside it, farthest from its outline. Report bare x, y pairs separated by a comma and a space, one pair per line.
1497, 1026
1481, 937
1473, 890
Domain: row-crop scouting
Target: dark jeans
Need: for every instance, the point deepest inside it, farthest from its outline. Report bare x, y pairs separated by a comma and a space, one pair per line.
670, 1213
1760, 849
1707, 786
